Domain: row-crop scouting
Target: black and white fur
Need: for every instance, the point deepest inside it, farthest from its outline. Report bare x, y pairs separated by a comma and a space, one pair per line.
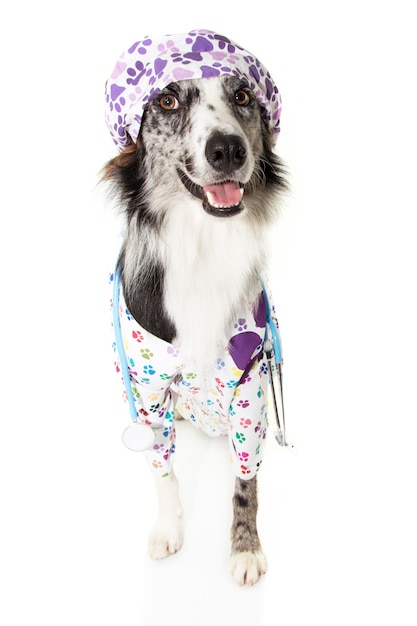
190, 263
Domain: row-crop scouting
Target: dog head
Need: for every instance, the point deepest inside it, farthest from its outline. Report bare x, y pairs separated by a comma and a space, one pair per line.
208, 135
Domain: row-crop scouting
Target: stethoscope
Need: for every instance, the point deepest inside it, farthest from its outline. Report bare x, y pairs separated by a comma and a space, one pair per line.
139, 437
273, 353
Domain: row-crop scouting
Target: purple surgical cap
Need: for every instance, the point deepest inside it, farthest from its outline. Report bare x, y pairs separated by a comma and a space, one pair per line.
148, 66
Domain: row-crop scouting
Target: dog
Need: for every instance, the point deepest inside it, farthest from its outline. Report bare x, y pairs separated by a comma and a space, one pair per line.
195, 119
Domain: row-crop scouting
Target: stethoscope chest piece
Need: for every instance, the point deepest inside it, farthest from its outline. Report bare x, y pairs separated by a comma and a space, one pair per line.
138, 437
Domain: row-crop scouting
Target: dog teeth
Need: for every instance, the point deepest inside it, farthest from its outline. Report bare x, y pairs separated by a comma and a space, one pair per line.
221, 206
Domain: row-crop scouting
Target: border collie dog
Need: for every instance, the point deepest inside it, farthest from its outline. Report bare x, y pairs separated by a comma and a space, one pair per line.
195, 117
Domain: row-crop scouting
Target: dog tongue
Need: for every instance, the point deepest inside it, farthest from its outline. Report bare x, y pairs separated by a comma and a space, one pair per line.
224, 195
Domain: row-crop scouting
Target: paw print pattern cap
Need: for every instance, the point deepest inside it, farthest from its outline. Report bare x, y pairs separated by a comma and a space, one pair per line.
150, 65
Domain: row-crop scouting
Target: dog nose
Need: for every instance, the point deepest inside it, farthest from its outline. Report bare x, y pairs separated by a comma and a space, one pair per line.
225, 153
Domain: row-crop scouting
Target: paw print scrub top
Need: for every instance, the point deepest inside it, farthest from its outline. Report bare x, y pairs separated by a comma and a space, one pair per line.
230, 400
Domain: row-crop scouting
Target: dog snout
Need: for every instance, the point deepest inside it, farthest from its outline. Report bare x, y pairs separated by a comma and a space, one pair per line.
225, 153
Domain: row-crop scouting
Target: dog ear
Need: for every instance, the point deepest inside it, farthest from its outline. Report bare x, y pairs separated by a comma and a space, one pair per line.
112, 171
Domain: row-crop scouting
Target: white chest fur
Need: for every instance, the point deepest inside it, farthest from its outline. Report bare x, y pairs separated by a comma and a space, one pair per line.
211, 267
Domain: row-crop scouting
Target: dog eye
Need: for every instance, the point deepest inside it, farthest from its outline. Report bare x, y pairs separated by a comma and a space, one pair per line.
168, 102
242, 98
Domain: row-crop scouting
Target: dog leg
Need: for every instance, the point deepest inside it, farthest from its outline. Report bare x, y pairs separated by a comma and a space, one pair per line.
167, 535
248, 560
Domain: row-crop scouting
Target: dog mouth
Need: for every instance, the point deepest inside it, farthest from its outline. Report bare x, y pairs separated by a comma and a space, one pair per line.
220, 199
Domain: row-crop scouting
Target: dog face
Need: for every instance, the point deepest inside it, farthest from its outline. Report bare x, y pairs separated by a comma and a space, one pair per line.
205, 139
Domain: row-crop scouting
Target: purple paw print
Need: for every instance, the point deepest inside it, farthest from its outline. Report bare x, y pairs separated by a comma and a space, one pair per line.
241, 325
261, 430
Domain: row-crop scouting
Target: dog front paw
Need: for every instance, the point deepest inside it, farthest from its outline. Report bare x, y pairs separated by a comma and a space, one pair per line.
166, 538
247, 567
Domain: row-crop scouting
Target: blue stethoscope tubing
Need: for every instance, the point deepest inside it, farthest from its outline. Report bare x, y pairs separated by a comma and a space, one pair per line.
120, 346
272, 347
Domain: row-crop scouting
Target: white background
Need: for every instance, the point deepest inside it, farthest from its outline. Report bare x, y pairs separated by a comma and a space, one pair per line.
337, 521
